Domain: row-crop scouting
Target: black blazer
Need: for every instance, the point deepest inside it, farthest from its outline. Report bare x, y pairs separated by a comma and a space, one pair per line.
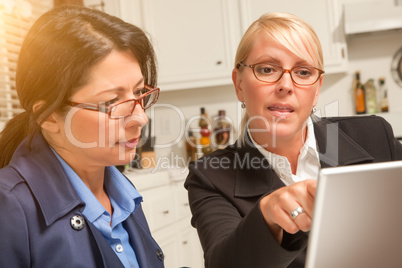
225, 186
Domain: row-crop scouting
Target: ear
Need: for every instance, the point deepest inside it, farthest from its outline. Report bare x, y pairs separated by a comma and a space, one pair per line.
236, 78
50, 124
317, 93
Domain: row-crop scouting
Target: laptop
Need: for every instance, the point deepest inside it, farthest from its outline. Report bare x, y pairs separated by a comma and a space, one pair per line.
357, 219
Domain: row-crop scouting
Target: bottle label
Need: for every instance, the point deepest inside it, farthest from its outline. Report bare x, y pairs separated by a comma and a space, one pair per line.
360, 104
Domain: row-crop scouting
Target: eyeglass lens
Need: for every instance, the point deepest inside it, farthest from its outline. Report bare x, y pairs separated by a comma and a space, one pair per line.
126, 108
271, 73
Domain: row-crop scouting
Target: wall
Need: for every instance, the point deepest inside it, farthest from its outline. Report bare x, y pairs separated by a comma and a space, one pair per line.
370, 53
177, 111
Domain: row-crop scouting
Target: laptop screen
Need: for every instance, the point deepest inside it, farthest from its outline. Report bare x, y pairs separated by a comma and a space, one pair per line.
357, 219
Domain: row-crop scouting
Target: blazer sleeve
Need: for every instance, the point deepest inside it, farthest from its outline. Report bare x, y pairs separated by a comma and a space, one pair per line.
395, 145
228, 239
14, 247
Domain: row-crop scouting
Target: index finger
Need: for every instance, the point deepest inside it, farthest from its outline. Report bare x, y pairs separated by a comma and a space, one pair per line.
311, 186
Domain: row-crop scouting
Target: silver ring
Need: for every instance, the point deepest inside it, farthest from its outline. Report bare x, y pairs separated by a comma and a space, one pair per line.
296, 212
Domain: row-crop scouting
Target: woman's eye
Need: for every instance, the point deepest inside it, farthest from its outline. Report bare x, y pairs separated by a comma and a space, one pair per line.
303, 72
110, 102
140, 91
266, 69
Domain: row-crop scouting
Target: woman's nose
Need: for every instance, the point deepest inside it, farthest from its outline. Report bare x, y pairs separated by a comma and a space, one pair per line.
285, 84
137, 118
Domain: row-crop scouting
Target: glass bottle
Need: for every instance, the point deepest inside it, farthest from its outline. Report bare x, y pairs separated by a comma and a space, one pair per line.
360, 102
222, 130
205, 141
371, 97
384, 96
191, 146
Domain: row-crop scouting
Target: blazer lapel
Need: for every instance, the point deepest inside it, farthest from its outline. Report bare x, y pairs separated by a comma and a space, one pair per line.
147, 251
335, 147
253, 165
47, 182
109, 257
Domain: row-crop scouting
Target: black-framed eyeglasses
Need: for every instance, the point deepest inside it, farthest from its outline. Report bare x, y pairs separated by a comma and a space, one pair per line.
125, 108
271, 73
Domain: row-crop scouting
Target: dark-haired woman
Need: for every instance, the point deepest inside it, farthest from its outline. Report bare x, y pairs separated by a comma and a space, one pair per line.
84, 79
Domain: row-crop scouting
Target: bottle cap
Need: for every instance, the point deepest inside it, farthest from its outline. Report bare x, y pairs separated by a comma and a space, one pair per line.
357, 74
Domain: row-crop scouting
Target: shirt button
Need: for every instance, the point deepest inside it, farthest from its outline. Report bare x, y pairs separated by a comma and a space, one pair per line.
119, 248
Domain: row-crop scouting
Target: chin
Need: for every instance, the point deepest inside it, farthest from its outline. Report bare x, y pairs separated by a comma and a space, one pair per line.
123, 157
284, 132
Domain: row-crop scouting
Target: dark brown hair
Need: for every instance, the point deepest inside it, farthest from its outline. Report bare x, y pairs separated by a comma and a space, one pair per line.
54, 61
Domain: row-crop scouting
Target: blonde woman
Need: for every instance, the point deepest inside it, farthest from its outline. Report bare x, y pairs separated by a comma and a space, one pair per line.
252, 202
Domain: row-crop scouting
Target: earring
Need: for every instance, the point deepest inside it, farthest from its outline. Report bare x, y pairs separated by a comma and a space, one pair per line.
243, 105
313, 110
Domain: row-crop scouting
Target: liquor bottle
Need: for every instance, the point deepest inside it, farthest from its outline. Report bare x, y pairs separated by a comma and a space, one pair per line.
371, 97
191, 146
359, 95
204, 119
205, 132
384, 95
205, 141
222, 130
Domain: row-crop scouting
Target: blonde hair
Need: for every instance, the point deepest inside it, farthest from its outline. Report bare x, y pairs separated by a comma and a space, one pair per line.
289, 31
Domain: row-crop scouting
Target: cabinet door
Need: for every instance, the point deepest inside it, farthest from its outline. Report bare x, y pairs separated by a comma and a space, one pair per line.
167, 239
195, 41
109, 6
181, 200
190, 250
159, 207
325, 16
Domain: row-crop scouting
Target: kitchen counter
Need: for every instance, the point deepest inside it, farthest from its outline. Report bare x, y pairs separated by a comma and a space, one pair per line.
144, 179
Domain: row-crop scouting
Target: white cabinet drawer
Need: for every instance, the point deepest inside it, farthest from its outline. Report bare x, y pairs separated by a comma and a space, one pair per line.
163, 211
182, 204
159, 207
166, 208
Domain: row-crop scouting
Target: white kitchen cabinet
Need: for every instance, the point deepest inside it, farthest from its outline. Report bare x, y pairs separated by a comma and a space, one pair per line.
180, 244
166, 208
195, 41
109, 6
325, 16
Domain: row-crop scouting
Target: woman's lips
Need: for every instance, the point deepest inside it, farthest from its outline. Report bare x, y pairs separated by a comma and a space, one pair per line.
130, 143
280, 110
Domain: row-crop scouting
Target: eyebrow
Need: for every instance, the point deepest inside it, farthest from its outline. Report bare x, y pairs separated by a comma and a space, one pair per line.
120, 88
267, 59
264, 59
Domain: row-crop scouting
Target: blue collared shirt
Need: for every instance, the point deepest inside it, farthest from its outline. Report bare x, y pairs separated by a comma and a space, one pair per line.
124, 199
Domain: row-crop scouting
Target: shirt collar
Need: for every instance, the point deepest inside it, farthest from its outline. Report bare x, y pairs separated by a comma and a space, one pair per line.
280, 164
311, 143
122, 194
124, 197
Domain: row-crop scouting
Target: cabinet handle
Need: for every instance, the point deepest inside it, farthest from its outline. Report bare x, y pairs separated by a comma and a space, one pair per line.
219, 62
165, 212
184, 242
